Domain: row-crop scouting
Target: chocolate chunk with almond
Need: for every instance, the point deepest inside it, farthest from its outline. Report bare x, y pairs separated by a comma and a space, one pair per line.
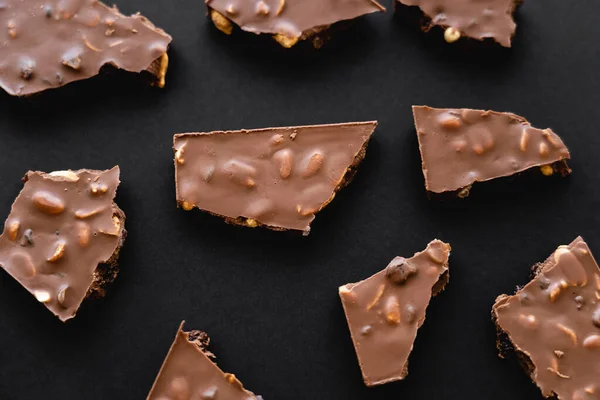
79, 37
462, 146
555, 328
62, 238
274, 177
385, 311
189, 373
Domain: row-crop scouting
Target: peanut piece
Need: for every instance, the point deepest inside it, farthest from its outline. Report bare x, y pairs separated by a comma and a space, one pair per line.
48, 203
524, 140
59, 252
392, 311
451, 35
222, 23
83, 233
378, 295
251, 222
569, 332
314, 165
547, 170
186, 205
544, 150
13, 230
61, 296
68, 175
450, 123
592, 342
528, 321
42, 296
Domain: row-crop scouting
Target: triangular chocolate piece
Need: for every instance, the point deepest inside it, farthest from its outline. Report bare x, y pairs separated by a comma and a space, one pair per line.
462, 146
276, 177
79, 37
553, 323
385, 311
188, 373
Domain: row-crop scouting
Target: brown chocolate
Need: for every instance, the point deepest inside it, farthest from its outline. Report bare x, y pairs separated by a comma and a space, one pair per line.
385, 311
62, 238
461, 146
288, 21
275, 177
188, 373
477, 19
49, 43
554, 324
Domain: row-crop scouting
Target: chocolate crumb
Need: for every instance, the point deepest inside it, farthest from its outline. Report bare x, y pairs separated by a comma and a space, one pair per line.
27, 238
580, 301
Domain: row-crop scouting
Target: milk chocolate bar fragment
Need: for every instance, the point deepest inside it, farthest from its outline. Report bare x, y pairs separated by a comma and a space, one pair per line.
79, 37
288, 21
189, 373
461, 146
385, 311
62, 238
553, 324
274, 177
478, 20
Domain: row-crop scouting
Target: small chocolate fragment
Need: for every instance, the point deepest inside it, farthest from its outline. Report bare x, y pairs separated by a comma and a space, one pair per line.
75, 44
65, 260
384, 316
288, 21
275, 177
479, 20
462, 146
557, 339
188, 373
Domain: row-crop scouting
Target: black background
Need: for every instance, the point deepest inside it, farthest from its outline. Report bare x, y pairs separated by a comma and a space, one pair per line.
269, 300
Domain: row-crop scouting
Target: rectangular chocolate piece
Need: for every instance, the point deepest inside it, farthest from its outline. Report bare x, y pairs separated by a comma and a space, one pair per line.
62, 238
274, 177
79, 37
462, 146
553, 323
385, 311
188, 373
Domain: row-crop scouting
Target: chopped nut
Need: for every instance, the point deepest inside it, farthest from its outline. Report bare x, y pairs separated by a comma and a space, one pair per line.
27, 238
450, 123
91, 46
528, 321
478, 149
210, 393
42, 296
47, 202
592, 342
547, 170
276, 139
280, 8
284, 159
59, 252
558, 373
234, 381
365, 330
580, 301
73, 63
81, 214
552, 138
262, 8
315, 163
61, 296
569, 332
68, 175
378, 295
222, 23
438, 255
13, 230
596, 318
392, 311
347, 293
559, 353
597, 279
464, 192
544, 151
557, 289
411, 313
451, 35
400, 270
27, 67
231, 9
186, 205
97, 188
179, 154
251, 223
83, 233
524, 140
285, 41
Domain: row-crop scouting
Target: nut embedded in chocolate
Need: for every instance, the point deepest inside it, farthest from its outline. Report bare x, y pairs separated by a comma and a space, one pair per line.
399, 270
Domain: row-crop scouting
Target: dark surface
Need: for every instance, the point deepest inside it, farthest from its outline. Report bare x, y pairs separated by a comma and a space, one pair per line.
268, 299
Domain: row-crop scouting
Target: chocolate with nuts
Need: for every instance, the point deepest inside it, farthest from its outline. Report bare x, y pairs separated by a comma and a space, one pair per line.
385, 311
553, 323
188, 373
275, 177
462, 146
474, 19
288, 21
62, 238
49, 43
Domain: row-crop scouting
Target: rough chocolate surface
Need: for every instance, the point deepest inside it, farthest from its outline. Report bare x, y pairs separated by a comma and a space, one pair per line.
554, 323
49, 43
385, 311
62, 237
188, 374
476, 19
276, 177
461, 146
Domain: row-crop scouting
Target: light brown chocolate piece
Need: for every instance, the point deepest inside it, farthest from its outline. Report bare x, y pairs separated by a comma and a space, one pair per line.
188, 373
50, 43
553, 323
462, 146
385, 311
62, 238
274, 177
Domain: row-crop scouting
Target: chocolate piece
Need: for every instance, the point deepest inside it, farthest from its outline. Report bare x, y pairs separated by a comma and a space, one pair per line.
288, 21
188, 373
79, 37
461, 146
479, 20
384, 312
275, 177
555, 329
62, 238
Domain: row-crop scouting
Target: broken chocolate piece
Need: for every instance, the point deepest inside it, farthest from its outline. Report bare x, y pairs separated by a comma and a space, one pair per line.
553, 332
79, 37
479, 20
384, 313
188, 373
288, 21
461, 146
275, 177
61, 240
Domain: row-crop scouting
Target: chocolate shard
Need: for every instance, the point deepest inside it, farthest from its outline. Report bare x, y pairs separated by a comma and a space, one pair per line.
274, 177
553, 324
79, 37
385, 311
461, 146
62, 238
478, 20
188, 373
288, 21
